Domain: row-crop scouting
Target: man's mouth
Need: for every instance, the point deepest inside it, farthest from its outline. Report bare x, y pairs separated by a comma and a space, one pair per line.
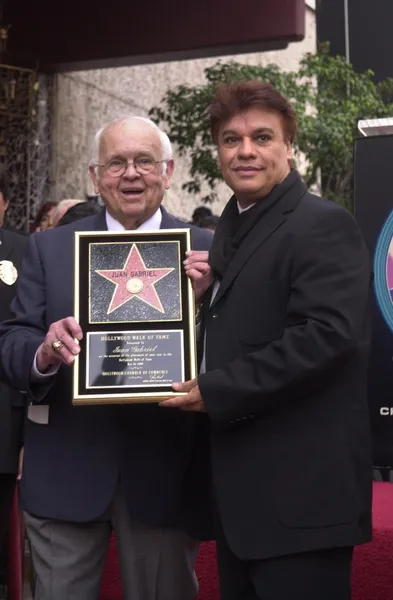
130, 192
245, 169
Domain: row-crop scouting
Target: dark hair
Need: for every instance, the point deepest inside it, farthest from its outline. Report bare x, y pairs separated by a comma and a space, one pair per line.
79, 211
42, 211
201, 212
4, 184
232, 98
209, 222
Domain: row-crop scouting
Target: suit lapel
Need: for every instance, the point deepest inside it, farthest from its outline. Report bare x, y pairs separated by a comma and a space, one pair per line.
99, 222
252, 242
167, 221
259, 234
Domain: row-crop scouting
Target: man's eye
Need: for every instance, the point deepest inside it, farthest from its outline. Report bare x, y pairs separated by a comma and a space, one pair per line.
230, 140
263, 138
115, 163
144, 161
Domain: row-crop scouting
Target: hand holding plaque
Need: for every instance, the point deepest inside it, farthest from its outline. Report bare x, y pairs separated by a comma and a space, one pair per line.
59, 344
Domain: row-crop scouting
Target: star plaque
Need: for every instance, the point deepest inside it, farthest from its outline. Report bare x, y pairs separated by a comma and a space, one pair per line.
135, 281
136, 308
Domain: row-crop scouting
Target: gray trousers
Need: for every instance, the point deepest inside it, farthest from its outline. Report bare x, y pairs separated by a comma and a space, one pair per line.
69, 558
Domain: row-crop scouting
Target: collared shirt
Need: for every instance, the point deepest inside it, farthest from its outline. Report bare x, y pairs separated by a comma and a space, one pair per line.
151, 224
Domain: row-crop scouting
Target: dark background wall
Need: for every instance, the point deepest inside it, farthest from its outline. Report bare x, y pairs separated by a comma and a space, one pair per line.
82, 34
370, 32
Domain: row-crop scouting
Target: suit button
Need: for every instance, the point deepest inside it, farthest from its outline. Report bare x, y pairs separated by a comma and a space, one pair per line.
251, 416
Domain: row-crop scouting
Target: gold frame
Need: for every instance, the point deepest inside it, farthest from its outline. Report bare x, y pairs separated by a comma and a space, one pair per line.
85, 399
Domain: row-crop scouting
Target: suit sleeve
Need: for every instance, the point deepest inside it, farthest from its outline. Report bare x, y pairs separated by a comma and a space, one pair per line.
21, 336
325, 325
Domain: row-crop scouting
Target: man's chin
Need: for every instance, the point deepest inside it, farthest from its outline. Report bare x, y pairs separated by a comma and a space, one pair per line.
249, 191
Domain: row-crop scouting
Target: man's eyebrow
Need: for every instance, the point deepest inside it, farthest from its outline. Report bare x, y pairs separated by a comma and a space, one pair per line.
255, 131
229, 131
264, 130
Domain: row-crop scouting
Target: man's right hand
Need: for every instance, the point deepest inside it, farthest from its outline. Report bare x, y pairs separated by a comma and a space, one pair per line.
65, 331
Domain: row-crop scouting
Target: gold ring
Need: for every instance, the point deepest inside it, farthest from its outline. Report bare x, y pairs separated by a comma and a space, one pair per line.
57, 345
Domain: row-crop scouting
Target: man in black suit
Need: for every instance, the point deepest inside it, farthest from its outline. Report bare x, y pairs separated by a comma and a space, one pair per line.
12, 402
283, 379
90, 469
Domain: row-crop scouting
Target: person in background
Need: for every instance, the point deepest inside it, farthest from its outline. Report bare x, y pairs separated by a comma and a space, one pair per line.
89, 470
209, 223
12, 401
62, 207
284, 374
79, 211
201, 212
44, 217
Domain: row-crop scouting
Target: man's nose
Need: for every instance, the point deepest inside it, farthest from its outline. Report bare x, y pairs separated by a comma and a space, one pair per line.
247, 148
130, 171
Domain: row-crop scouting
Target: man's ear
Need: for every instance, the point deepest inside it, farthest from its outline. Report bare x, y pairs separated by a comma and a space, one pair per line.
170, 167
94, 178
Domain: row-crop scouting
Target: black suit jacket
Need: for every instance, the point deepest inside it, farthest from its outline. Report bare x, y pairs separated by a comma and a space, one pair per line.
285, 388
73, 464
12, 247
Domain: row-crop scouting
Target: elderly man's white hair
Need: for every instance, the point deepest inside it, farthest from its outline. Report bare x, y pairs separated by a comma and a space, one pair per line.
166, 145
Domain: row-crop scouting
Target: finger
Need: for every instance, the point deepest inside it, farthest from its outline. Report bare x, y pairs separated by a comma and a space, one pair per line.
179, 402
184, 386
203, 255
68, 342
69, 349
73, 327
204, 267
192, 253
198, 275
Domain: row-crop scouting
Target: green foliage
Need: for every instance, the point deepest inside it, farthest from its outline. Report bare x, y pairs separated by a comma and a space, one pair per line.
329, 97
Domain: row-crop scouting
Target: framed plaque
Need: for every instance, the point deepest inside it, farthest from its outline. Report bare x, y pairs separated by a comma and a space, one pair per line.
136, 308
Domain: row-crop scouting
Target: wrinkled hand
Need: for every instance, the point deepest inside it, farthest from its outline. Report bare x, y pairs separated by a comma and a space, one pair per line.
199, 271
66, 331
192, 401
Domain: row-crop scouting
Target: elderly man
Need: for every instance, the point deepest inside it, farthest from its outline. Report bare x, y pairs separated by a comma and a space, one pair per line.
286, 351
88, 470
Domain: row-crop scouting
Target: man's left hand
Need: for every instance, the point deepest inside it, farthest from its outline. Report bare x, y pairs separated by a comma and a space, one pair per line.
192, 401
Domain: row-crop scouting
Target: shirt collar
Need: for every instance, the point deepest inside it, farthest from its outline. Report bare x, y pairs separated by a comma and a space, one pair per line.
153, 223
240, 209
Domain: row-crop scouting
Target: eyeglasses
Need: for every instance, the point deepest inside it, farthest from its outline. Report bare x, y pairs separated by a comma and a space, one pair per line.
143, 166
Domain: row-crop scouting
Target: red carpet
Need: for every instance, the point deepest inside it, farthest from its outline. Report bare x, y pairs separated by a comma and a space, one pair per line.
372, 577
372, 570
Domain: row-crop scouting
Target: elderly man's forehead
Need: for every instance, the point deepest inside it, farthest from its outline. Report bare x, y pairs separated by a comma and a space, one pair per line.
130, 131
